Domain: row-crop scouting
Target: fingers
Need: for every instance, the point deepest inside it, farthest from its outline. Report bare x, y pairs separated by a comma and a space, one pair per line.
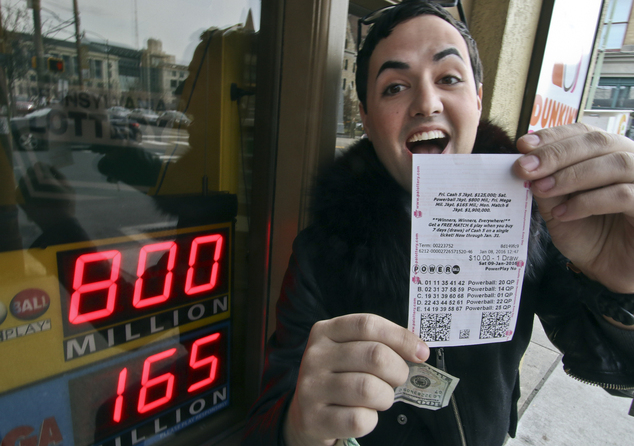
373, 358
338, 405
369, 327
350, 423
615, 199
339, 422
551, 135
552, 149
341, 406
363, 344
348, 389
569, 167
613, 168
349, 370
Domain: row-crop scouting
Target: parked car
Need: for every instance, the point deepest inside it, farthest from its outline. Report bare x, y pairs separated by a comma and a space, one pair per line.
173, 119
119, 118
143, 116
23, 105
28, 130
55, 125
118, 112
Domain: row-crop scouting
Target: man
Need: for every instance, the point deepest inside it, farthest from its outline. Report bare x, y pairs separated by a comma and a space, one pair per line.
340, 345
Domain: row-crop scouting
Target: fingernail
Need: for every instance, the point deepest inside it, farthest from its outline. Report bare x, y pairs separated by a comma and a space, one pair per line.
531, 139
558, 211
545, 184
529, 162
422, 351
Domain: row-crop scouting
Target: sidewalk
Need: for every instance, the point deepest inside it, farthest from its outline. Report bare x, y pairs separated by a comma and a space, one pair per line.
556, 410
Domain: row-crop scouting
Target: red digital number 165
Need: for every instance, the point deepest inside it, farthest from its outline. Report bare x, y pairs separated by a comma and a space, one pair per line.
166, 379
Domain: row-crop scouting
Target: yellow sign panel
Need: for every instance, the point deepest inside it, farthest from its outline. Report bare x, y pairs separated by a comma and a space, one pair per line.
70, 305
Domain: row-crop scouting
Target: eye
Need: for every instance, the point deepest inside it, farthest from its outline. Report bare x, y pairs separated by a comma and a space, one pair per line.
450, 80
393, 89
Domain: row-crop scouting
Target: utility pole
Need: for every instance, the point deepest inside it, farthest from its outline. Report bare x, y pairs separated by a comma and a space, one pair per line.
39, 50
6, 95
77, 42
5, 109
136, 25
108, 67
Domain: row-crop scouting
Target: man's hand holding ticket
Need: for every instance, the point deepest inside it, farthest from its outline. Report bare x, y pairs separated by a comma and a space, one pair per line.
470, 226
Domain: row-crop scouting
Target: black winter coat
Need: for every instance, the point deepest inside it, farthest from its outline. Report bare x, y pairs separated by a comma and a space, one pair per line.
354, 257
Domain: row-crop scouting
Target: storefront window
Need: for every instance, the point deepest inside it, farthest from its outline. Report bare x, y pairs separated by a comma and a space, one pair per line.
616, 22
125, 181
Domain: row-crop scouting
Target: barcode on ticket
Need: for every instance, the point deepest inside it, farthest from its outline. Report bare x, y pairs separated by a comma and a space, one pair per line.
435, 326
495, 324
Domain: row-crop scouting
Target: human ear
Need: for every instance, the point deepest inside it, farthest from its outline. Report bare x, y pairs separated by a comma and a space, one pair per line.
364, 119
361, 111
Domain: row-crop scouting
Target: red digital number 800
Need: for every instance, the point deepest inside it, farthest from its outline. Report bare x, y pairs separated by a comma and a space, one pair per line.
111, 261
79, 287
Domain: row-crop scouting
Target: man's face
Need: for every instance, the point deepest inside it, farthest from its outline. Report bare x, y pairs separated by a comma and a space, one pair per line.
422, 96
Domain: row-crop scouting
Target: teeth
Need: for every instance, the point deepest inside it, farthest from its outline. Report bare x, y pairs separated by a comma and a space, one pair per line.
425, 136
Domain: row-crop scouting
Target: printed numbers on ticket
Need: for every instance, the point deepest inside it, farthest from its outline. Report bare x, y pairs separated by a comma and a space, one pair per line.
470, 230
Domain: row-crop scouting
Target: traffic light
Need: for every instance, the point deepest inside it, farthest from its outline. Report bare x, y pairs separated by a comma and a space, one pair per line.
55, 65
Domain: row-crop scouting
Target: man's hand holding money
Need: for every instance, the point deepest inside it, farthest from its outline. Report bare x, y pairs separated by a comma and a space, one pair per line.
349, 370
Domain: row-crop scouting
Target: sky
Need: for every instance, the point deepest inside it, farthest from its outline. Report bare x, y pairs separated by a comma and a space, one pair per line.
177, 23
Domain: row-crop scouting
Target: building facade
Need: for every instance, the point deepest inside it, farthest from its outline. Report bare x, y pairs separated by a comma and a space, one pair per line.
146, 78
615, 90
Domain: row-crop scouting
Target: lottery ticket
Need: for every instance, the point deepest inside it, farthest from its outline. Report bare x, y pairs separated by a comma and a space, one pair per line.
470, 230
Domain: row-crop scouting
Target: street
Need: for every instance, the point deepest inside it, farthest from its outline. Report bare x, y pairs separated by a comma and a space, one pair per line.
104, 209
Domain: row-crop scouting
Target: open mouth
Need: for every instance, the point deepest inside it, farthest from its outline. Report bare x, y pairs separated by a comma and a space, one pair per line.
434, 141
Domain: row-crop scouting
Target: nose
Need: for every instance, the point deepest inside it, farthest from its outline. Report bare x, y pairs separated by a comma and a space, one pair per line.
426, 101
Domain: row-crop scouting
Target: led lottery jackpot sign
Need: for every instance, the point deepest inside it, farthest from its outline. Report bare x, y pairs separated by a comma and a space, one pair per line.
95, 276
107, 297
164, 297
164, 384
134, 398
124, 281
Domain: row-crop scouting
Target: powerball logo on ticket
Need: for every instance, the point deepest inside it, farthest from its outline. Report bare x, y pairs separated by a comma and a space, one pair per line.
470, 226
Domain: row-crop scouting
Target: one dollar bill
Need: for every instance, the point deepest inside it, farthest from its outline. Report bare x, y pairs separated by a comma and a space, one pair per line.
426, 387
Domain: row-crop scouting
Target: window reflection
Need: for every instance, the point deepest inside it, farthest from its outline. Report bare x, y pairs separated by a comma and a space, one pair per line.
117, 120
614, 93
349, 127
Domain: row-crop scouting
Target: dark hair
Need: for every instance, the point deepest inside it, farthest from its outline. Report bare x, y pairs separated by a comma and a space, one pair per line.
392, 17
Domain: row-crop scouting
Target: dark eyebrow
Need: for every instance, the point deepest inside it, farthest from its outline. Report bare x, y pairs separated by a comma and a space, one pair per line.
396, 65
392, 64
444, 53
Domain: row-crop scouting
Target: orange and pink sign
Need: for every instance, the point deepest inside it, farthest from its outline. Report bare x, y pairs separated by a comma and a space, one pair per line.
564, 69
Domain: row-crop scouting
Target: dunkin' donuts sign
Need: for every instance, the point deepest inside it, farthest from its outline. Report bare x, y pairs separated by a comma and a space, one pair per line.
571, 37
